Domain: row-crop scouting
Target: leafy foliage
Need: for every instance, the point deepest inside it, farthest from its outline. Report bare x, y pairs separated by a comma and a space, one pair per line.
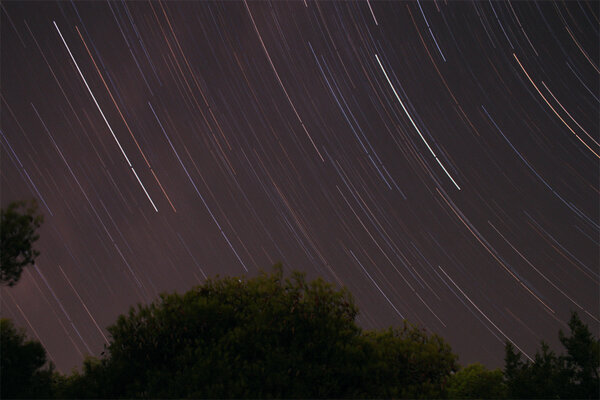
582, 359
261, 337
409, 363
17, 235
477, 382
22, 371
271, 336
574, 375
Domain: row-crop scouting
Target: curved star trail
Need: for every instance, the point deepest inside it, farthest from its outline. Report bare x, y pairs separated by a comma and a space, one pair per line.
440, 159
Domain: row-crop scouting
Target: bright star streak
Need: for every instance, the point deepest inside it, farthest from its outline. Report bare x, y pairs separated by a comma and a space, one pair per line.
103, 117
413, 123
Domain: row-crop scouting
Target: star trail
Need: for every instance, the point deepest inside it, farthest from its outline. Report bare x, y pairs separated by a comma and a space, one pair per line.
440, 159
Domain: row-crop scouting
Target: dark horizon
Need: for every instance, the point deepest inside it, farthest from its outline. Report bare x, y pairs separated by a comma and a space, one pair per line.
438, 159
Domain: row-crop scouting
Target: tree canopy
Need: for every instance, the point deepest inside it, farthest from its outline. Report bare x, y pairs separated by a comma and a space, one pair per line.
573, 375
267, 336
18, 232
271, 336
24, 371
477, 382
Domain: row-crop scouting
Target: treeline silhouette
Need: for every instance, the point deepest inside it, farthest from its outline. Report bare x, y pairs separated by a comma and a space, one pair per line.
273, 336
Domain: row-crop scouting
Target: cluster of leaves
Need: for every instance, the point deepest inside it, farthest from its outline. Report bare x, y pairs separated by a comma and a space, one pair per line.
570, 376
573, 375
24, 372
477, 382
17, 235
262, 337
408, 363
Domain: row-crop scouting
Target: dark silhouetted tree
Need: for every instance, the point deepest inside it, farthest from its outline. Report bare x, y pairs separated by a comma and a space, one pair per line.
570, 376
582, 360
18, 226
267, 336
24, 371
477, 382
408, 363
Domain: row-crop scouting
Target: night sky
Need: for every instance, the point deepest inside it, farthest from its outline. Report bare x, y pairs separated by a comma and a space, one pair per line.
440, 159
